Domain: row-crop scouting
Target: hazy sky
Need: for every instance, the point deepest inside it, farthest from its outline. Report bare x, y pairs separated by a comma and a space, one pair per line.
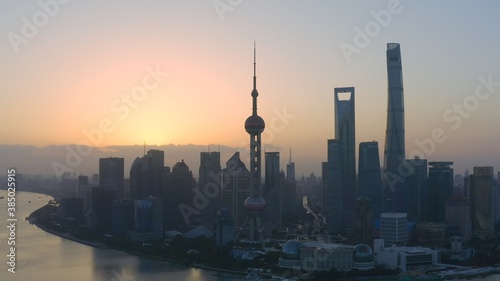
180, 72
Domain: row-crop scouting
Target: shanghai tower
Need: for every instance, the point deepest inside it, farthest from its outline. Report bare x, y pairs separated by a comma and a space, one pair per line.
394, 152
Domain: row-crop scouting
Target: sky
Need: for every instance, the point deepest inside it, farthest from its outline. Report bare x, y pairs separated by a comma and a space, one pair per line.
121, 73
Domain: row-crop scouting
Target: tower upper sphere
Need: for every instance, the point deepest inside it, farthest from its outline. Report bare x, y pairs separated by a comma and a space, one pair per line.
254, 124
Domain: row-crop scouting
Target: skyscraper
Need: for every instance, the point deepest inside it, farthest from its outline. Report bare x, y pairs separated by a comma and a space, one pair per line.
440, 189
272, 160
255, 204
102, 208
123, 217
415, 191
363, 222
236, 189
209, 178
393, 228
345, 132
290, 191
290, 169
209, 167
482, 201
458, 216
147, 174
333, 200
497, 199
149, 217
273, 187
180, 193
369, 176
394, 152
111, 175
83, 185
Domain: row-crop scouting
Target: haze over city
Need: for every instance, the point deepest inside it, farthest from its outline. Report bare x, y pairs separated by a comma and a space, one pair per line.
255, 140
64, 75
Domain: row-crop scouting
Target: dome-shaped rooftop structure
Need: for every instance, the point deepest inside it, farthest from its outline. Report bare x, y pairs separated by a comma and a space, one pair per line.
363, 198
254, 204
362, 257
254, 124
291, 250
290, 254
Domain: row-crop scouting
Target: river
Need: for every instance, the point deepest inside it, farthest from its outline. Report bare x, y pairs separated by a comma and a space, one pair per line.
41, 256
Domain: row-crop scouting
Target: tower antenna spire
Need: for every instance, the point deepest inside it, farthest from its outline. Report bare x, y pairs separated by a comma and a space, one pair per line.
254, 68
254, 91
290, 156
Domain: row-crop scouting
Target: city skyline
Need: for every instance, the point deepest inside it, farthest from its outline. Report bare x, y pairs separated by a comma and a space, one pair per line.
77, 78
127, 128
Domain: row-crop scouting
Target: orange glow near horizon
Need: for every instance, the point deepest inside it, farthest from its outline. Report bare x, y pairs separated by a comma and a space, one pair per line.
82, 68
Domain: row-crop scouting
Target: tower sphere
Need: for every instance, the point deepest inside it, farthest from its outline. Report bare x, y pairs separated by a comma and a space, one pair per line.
254, 124
254, 203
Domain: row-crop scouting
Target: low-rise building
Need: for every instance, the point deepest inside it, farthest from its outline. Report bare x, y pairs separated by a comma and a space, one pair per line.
403, 257
458, 251
322, 256
431, 233
316, 256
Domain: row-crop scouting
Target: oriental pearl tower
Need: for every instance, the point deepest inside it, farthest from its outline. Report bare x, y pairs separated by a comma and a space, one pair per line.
255, 205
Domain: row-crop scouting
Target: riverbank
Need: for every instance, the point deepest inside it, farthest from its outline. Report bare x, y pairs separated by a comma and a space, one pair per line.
65, 235
71, 237
156, 252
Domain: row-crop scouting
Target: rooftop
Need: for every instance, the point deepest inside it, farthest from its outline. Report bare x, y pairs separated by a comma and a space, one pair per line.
324, 245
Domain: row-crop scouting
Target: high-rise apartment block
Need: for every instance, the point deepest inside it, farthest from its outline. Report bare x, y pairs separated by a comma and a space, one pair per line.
482, 201
393, 228
111, 175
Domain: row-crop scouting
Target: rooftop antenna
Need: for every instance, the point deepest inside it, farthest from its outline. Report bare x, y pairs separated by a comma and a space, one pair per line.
254, 68
290, 156
254, 91
144, 148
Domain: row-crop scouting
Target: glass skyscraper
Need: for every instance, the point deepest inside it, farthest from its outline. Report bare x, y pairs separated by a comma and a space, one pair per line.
482, 201
394, 152
333, 203
415, 192
440, 189
369, 176
345, 132
111, 175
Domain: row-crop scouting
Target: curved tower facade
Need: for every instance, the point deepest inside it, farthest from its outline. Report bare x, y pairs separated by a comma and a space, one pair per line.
394, 152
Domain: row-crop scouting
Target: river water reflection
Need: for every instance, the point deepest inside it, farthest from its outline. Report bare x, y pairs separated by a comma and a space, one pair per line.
43, 256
